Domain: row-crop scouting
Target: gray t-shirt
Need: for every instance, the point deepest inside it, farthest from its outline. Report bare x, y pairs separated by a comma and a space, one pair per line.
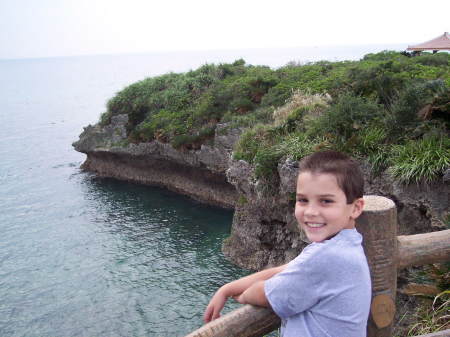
325, 291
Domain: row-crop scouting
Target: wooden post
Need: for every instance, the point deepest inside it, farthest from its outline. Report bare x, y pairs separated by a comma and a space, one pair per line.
378, 226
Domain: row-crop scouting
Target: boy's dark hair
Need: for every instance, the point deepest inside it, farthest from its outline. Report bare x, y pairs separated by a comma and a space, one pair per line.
346, 170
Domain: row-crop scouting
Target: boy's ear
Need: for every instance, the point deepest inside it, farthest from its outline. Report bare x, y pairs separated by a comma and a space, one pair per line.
358, 207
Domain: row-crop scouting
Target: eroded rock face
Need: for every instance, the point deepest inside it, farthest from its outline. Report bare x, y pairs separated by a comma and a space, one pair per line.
197, 173
97, 137
420, 207
265, 232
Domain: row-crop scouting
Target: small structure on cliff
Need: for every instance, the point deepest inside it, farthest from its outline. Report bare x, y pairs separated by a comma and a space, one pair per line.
441, 42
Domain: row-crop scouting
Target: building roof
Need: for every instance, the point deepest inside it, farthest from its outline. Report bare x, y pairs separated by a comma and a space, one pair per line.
442, 42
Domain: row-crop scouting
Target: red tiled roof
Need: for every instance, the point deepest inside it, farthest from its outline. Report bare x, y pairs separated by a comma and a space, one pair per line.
440, 43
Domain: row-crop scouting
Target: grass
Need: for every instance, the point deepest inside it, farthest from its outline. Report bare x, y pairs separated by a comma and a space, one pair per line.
420, 160
433, 319
432, 313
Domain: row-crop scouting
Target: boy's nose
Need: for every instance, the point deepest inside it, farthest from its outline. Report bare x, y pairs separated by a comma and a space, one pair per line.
311, 210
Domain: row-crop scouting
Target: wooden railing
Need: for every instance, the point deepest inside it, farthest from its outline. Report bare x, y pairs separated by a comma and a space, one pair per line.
445, 333
386, 254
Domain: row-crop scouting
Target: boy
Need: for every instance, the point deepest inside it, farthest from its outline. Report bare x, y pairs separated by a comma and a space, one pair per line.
326, 290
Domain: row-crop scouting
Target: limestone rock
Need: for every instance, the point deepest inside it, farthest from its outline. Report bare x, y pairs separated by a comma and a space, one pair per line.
264, 231
446, 177
95, 137
197, 173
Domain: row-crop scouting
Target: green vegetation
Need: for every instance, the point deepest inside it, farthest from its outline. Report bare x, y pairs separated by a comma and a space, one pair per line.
420, 159
433, 311
388, 108
433, 318
184, 109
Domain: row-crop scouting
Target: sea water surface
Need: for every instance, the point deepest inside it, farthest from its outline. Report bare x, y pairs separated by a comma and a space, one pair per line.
83, 256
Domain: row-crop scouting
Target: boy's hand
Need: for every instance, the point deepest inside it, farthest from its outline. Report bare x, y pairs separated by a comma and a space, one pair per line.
215, 306
246, 290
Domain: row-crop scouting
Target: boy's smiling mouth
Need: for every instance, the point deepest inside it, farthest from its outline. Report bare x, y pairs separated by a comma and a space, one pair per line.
314, 225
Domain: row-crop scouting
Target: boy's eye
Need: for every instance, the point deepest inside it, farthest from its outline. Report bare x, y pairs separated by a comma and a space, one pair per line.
327, 201
302, 200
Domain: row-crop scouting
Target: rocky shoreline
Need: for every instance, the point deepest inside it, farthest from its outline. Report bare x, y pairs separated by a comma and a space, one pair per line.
198, 183
199, 174
264, 231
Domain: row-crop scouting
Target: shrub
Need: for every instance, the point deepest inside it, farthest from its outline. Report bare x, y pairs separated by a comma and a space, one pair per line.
371, 138
319, 77
252, 140
385, 55
372, 143
403, 115
298, 145
439, 59
266, 161
300, 99
420, 160
142, 97
378, 81
262, 115
347, 116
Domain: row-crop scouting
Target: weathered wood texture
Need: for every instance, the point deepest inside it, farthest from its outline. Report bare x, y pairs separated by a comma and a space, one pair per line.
445, 333
420, 249
378, 226
247, 321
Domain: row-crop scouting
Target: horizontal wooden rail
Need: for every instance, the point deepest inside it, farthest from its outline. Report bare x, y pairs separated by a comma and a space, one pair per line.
247, 321
420, 249
251, 321
445, 333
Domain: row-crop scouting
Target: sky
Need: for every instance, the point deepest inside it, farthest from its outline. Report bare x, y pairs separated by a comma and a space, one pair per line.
50, 28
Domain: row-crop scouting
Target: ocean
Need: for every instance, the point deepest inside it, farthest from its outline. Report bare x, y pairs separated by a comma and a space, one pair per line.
84, 256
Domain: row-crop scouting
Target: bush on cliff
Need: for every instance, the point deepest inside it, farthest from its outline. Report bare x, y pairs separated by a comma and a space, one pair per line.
415, 147
369, 108
184, 108
421, 160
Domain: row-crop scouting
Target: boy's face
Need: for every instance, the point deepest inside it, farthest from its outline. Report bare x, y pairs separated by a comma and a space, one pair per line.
321, 208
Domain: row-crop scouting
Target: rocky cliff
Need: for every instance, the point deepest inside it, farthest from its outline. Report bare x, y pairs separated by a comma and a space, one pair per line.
264, 230
197, 173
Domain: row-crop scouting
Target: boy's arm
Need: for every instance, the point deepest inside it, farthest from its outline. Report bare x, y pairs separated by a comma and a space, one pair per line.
235, 289
254, 295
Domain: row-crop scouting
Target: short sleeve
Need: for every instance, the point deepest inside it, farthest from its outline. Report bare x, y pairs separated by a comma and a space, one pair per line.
297, 288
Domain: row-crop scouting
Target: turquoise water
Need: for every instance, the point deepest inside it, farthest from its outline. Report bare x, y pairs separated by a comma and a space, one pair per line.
82, 256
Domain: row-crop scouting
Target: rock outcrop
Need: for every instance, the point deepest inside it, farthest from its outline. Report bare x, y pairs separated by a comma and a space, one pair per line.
197, 173
264, 230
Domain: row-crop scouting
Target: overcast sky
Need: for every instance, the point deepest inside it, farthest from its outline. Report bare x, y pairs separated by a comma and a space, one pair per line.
42, 28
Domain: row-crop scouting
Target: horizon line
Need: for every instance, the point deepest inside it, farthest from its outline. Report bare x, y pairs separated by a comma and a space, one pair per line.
176, 51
